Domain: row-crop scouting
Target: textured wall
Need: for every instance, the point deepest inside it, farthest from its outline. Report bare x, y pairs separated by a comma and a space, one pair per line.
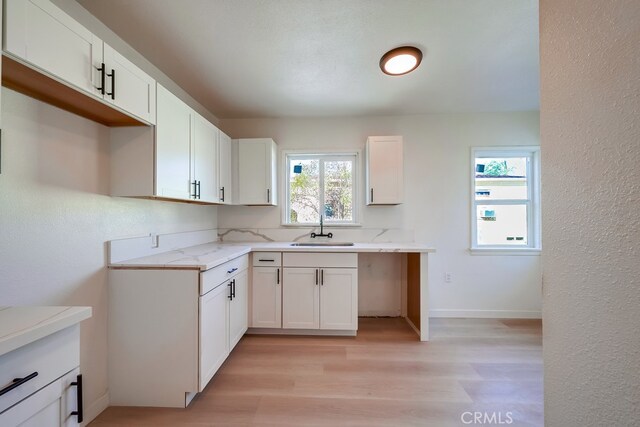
437, 200
590, 131
56, 215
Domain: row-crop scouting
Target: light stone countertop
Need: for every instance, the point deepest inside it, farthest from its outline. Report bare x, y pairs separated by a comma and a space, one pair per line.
210, 255
20, 326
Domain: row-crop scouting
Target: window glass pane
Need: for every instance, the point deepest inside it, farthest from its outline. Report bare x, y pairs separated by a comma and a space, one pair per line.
304, 191
502, 225
338, 190
501, 178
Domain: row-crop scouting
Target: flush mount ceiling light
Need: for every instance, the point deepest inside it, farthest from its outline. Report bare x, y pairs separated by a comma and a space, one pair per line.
401, 60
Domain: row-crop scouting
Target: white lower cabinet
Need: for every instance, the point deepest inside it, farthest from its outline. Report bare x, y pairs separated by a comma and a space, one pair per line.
51, 406
214, 332
238, 308
301, 298
49, 392
320, 291
191, 321
266, 290
339, 298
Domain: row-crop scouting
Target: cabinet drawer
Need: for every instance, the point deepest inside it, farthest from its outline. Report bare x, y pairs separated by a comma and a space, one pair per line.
320, 259
267, 259
51, 357
215, 276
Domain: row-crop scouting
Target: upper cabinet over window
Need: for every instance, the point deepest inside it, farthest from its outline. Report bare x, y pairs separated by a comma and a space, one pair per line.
49, 53
384, 170
257, 165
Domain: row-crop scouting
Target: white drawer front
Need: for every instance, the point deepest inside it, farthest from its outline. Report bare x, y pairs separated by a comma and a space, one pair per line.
51, 357
320, 259
215, 276
267, 259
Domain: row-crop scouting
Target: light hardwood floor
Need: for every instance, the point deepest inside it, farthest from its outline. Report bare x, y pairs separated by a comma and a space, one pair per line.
382, 377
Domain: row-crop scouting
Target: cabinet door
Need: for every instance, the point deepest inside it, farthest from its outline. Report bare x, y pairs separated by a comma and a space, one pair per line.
204, 158
214, 340
384, 170
300, 298
50, 406
239, 309
224, 169
266, 297
41, 34
128, 87
339, 298
256, 172
173, 127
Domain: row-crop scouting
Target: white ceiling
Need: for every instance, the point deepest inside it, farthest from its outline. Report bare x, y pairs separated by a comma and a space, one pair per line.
275, 58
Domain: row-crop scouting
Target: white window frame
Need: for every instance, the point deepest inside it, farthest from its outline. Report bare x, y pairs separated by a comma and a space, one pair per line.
534, 246
325, 155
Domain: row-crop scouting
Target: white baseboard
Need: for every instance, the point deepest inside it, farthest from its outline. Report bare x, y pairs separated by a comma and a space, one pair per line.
91, 412
488, 314
278, 331
379, 313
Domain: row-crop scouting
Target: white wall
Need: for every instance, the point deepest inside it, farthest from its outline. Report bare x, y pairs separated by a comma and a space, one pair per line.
437, 206
590, 131
56, 215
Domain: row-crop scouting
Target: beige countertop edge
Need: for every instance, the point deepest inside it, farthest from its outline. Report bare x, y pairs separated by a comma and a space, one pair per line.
23, 325
190, 258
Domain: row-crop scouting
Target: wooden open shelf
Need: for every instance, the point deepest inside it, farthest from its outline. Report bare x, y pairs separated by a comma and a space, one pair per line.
26, 80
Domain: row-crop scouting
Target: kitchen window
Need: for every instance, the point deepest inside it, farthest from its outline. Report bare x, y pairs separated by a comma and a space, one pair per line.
321, 184
505, 208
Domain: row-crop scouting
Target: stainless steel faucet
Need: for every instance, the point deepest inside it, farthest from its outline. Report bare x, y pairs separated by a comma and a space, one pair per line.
314, 235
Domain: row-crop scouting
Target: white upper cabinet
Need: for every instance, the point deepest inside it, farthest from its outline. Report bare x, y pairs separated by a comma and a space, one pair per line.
204, 159
384, 170
127, 86
177, 160
43, 36
40, 33
173, 140
256, 184
224, 169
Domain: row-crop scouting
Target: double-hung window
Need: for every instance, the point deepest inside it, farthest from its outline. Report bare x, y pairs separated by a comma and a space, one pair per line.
321, 184
505, 199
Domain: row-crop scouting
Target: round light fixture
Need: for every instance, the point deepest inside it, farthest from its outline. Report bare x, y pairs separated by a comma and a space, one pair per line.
401, 60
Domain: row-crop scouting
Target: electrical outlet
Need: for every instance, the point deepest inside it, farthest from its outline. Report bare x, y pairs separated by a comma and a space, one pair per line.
155, 240
447, 277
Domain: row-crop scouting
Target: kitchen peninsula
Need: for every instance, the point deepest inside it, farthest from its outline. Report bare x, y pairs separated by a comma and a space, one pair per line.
198, 300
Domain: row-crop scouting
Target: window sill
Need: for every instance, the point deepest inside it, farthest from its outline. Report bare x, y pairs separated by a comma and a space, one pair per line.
326, 226
506, 251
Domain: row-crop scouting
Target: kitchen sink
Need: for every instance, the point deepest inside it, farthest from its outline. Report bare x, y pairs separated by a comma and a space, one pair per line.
323, 244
